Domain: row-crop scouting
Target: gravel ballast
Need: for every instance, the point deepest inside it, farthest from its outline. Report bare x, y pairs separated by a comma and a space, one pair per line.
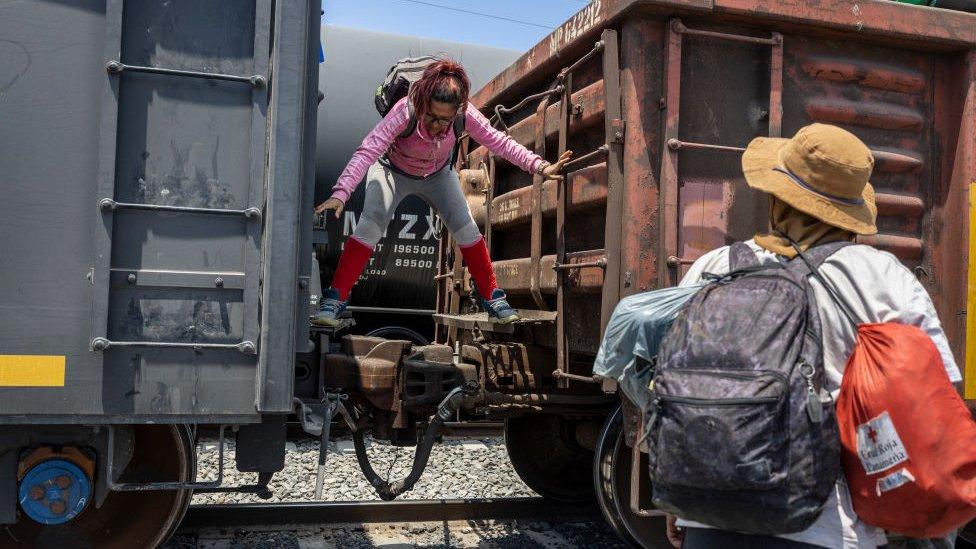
458, 469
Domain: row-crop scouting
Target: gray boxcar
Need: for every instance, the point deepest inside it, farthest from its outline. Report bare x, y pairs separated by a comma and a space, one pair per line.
154, 257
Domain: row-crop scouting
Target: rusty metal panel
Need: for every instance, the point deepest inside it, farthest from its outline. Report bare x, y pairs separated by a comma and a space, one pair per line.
714, 206
920, 27
885, 96
692, 96
585, 188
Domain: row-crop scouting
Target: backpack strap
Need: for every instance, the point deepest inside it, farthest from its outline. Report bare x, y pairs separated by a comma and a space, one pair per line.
741, 256
459, 123
411, 122
811, 260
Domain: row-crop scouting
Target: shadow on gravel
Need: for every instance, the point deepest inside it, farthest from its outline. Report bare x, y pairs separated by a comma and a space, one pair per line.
474, 534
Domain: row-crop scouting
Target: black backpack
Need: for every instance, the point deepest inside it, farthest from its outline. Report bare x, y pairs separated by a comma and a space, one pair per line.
397, 84
741, 434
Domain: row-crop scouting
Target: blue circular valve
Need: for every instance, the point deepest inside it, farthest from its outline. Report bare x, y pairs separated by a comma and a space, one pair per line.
54, 491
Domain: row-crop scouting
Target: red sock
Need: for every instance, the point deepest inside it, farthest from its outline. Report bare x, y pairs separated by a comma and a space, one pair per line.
352, 261
479, 265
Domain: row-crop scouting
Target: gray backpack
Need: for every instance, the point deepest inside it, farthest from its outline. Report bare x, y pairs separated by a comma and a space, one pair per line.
740, 432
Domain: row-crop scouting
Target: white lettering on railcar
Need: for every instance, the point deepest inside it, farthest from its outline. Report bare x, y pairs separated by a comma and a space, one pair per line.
583, 21
410, 230
405, 233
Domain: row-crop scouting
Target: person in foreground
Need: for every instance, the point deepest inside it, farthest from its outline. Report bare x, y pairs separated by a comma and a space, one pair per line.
819, 192
409, 152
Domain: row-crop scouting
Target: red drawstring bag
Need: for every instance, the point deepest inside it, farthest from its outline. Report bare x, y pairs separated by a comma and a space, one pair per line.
909, 442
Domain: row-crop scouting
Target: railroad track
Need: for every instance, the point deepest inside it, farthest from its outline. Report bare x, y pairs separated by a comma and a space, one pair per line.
374, 512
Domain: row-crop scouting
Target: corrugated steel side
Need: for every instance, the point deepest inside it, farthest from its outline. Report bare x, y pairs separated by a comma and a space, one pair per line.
698, 81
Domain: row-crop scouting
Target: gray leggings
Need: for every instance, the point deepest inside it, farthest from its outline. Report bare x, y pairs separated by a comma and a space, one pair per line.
442, 191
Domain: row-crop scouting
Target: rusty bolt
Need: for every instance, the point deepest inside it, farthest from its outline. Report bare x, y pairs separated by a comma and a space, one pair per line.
618, 134
578, 109
219, 282
674, 144
63, 482
37, 493
58, 507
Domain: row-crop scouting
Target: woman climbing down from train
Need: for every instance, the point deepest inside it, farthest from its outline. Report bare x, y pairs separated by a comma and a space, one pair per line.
408, 152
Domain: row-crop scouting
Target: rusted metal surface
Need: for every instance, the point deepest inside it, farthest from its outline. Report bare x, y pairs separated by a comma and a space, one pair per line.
588, 106
615, 131
688, 86
536, 231
584, 189
871, 19
955, 114
668, 198
514, 274
562, 358
474, 185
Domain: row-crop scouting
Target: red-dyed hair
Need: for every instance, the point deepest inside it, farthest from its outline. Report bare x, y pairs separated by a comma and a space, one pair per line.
443, 81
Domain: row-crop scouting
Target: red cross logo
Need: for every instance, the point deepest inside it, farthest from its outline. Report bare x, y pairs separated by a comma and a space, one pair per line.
873, 435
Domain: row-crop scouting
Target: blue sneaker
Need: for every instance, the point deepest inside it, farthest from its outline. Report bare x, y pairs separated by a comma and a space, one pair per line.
498, 308
330, 307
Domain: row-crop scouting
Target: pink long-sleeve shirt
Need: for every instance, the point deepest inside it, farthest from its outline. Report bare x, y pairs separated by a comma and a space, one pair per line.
421, 154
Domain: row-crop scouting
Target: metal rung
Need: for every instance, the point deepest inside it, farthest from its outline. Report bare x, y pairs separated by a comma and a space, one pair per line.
117, 67
775, 39
107, 205
600, 151
599, 263
102, 344
676, 145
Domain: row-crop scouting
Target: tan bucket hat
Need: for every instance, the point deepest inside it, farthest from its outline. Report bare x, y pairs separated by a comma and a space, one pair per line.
823, 171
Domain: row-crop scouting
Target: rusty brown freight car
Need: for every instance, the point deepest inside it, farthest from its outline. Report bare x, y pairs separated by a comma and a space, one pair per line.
658, 98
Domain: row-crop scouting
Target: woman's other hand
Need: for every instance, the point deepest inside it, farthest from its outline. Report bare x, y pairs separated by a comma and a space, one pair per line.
554, 171
331, 204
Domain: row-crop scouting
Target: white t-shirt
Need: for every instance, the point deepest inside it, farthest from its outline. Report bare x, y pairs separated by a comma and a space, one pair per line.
879, 289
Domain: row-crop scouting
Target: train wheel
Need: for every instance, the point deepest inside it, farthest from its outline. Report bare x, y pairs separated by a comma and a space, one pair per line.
611, 476
545, 453
125, 519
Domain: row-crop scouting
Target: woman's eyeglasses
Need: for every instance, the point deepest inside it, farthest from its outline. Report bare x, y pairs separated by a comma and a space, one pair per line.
440, 120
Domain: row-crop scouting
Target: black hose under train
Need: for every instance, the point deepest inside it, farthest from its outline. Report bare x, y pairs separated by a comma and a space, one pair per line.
445, 411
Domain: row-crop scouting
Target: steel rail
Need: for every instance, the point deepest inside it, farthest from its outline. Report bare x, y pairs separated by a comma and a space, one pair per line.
365, 512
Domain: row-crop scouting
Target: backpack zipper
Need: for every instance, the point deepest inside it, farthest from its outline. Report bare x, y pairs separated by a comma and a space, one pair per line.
718, 401
779, 377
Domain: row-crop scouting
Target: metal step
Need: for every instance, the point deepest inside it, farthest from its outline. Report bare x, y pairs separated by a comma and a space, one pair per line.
480, 321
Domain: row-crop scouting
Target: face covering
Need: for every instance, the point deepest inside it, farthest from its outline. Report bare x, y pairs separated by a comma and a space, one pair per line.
805, 229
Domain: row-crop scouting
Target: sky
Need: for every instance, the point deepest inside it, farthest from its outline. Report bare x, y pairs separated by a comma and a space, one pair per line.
510, 24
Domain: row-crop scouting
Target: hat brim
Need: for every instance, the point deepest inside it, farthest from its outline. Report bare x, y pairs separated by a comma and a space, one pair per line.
758, 161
